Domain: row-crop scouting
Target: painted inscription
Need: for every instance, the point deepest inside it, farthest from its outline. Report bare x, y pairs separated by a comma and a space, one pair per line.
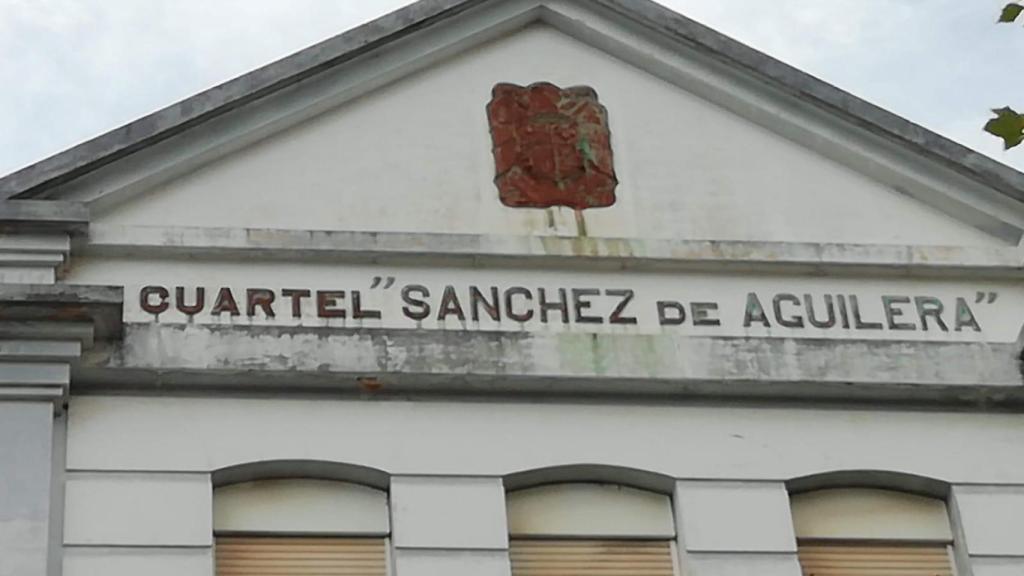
450, 306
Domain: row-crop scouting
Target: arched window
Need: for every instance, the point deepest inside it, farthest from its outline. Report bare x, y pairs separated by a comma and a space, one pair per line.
300, 526
604, 529
868, 532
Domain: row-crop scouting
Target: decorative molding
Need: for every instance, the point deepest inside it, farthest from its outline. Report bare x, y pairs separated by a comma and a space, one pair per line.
33, 258
382, 362
60, 311
43, 381
43, 331
554, 251
43, 216
35, 239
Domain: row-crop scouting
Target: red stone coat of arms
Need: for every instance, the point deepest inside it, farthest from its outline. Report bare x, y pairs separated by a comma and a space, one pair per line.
552, 147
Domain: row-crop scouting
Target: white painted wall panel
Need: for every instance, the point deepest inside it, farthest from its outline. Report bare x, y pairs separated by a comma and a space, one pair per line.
451, 563
203, 434
992, 519
734, 517
137, 509
99, 561
453, 513
430, 168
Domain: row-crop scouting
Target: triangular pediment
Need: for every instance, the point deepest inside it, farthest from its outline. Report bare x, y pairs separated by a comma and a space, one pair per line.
399, 140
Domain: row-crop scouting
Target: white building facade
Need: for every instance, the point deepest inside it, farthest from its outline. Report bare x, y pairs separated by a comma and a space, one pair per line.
516, 287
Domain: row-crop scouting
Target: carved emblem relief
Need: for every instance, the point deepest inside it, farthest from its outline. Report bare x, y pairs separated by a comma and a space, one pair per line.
552, 147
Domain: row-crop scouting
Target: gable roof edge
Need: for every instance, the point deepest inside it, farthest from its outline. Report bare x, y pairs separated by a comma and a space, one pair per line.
35, 179
176, 118
804, 86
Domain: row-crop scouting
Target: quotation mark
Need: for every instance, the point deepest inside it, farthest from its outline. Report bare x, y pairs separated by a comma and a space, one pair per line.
987, 297
388, 282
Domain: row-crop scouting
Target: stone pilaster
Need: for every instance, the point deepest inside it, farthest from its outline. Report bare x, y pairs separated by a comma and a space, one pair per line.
44, 329
452, 526
735, 529
990, 529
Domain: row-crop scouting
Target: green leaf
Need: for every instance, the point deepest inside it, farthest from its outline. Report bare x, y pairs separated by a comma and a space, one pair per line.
1008, 125
1011, 12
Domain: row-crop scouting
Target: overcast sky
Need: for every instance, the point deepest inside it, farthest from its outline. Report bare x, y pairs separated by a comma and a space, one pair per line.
72, 69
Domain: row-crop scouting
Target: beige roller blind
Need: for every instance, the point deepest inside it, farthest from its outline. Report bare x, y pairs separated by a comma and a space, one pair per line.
838, 559
590, 558
299, 556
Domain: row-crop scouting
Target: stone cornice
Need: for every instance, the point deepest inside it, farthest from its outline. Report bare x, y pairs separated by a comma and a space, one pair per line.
437, 363
43, 331
59, 311
28, 216
550, 251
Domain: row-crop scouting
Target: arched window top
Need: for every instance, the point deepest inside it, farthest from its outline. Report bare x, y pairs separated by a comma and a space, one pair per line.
300, 506
586, 510
312, 469
869, 514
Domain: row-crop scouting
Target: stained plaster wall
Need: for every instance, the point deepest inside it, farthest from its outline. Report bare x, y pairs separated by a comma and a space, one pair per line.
139, 468
129, 505
687, 168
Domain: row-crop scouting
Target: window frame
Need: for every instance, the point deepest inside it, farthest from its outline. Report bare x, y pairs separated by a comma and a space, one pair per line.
305, 492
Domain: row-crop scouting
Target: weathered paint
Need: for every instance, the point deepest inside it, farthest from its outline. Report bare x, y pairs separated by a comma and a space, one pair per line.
552, 147
672, 184
194, 357
448, 298
841, 306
